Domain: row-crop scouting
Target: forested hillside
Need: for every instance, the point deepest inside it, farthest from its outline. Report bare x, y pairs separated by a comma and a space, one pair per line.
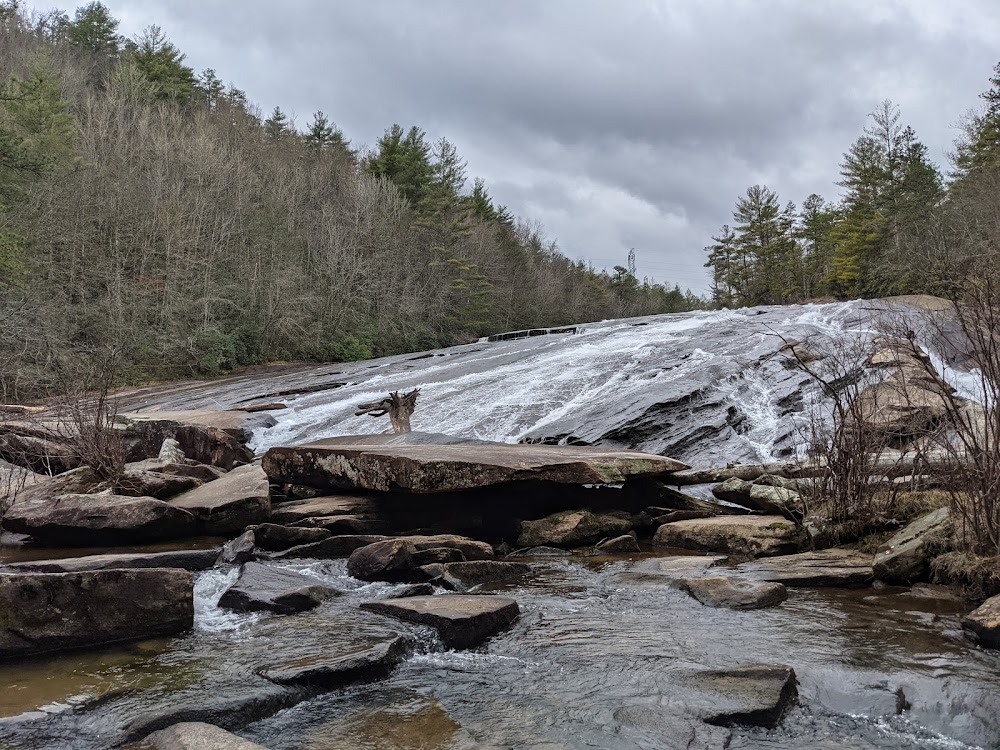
900, 226
155, 217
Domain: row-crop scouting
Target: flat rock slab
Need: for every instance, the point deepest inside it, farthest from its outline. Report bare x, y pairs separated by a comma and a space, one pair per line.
734, 593
45, 612
275, 538
193, 559
334, 505
753, 536
669, 569
755, 695
462, 621
454, 468
984, 623
263, 587
331, 548
830, 567
906, 557
106, 520
231, 503
336, 670
196, 735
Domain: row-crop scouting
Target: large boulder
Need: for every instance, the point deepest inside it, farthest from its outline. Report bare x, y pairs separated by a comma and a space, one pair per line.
906, 557
462, 621
187, 559
261, 588
389, 560
574, 528
323, 507
829, 567
99, 520
984, 623
454, 468
229, 504
753, 536
45, 612
196, 735
762, 498
734, 593
141, 482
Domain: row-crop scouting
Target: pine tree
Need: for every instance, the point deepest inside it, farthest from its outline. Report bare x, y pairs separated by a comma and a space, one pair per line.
728, 285
94, 29
769, 257
162, 64
979, 146
277, 124
211, 88
322, 134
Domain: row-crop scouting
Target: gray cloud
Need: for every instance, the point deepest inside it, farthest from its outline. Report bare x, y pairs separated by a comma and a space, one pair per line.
616, 125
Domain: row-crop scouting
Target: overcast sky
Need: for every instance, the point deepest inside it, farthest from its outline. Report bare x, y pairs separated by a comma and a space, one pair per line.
615, 124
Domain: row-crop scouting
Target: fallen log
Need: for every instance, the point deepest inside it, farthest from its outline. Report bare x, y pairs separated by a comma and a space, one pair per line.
398, 407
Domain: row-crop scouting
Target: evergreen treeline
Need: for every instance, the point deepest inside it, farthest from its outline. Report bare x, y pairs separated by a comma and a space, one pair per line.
155, 213
900, 226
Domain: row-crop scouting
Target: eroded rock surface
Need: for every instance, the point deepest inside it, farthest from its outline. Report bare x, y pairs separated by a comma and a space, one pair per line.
756, 695
462, 621
338, 669
266, 588
228, 505
830, 567
193, 560
907, 556
573, 528
196, 735
754, 536
734, 593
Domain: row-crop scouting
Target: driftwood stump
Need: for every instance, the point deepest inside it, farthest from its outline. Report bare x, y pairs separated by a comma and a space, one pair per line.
398, 407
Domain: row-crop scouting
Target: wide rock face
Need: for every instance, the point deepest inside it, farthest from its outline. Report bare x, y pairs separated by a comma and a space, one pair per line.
265, 588
44, 612
89, 520
754, 536
984, 622
830, 567
573, 528
229, 504
195, 559
196, 735
453, 468
906, 557
462, 621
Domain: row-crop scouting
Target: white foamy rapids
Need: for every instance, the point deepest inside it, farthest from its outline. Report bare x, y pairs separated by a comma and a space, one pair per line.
209, 587
669, 374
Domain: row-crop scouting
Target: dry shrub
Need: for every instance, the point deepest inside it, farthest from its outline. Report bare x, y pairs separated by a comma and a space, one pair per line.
978, 576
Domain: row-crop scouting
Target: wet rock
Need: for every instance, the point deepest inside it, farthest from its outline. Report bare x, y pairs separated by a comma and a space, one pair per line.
331, 548
45, 612
470, 548
389, 560
755, 695
256, 699
462, 576
275, 538
189, 559
984, 623
573, 528
674, 732
462, 621
196, 735
414, 589
345, 525
830, 567
453, 468
618, 545
230, 504
106, 520
734, 593
936, 593
265, 588
336, 670
239, 550
540, 551
907, 556
337, 505
436, 556
669, 570
755, 536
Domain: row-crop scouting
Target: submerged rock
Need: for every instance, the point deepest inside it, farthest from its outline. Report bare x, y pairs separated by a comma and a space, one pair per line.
239, 550
229, 504
44, 612
755, 536
266, 588
462, 621
906, 557
99, 520
734, 593
573, 528
452, 468
196, 735
674, 732
336, 670
461, 576
830, 567
755, 695
984, 623
619, 545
